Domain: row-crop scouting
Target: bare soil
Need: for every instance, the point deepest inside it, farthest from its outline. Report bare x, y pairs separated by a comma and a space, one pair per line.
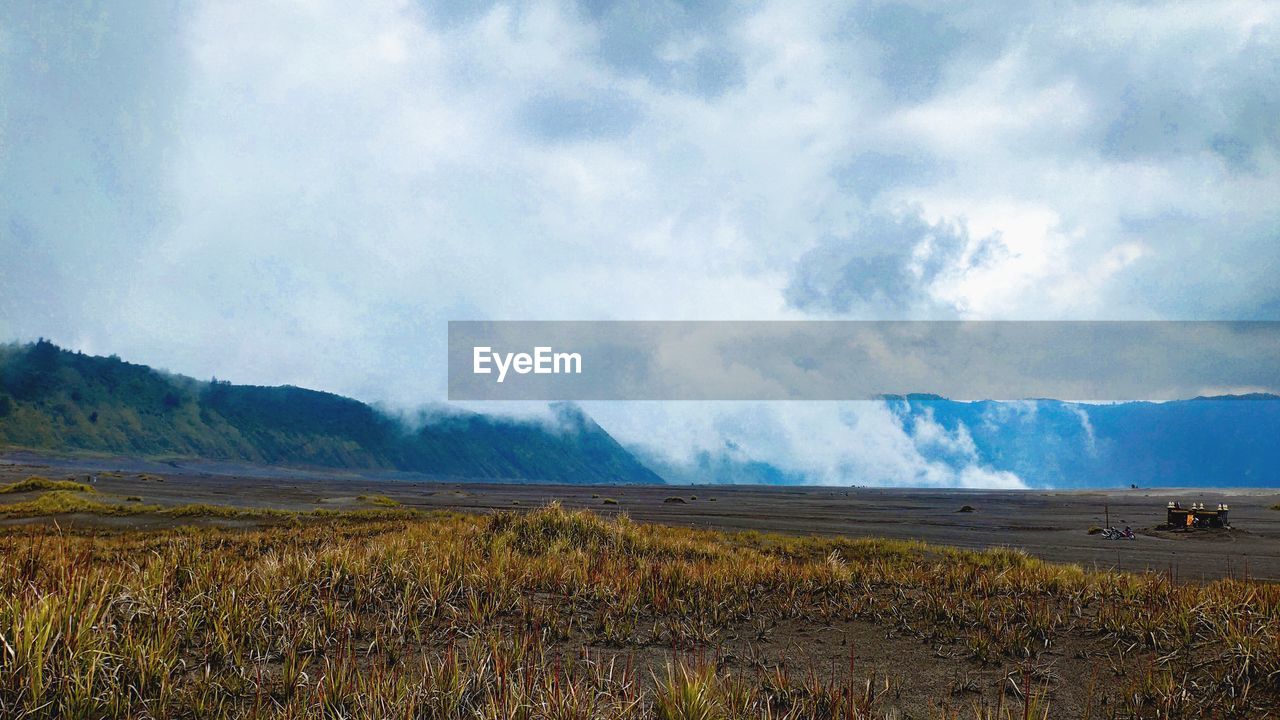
1053, 525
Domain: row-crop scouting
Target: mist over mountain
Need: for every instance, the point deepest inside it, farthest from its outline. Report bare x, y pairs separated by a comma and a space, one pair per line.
1225, 441
725, 467
53, 399
56, 400
930, 441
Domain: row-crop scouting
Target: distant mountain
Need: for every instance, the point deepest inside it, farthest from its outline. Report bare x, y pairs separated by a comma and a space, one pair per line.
1228, 441
724, 467
53, 399
1225, 441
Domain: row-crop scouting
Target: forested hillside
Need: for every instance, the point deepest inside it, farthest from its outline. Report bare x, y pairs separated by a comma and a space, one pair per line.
53, 399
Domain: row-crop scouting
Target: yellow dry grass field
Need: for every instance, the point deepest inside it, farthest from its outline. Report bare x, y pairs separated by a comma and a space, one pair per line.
564, 614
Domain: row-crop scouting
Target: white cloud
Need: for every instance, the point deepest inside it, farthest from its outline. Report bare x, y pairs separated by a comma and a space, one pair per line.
859, 443
305, 193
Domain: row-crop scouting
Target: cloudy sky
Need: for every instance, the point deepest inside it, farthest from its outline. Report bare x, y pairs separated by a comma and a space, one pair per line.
306, 192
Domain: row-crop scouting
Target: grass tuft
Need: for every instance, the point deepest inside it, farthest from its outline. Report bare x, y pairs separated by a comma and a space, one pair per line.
62, 502
35, 484
689, 694
380, 500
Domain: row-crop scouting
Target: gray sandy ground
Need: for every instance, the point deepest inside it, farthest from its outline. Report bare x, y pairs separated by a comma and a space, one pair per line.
1049, 524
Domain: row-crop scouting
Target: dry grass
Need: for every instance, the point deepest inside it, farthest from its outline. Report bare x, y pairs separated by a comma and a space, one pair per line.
39, 484
64, 502
379, 500
457, 616
61, 502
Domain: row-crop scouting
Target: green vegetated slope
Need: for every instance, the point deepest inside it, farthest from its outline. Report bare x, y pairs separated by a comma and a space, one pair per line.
53, 399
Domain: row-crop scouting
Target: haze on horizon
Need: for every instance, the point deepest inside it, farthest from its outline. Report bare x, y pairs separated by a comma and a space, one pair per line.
305, 193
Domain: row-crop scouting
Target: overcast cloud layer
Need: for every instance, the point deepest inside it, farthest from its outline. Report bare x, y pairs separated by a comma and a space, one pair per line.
304, 193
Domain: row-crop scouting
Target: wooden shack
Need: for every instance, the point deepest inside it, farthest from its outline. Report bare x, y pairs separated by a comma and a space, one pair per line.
1198, 516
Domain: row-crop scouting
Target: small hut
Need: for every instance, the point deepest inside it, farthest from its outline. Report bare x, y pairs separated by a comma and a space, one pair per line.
1197, 516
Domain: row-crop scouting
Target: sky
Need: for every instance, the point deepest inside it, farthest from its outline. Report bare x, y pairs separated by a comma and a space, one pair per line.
305, 193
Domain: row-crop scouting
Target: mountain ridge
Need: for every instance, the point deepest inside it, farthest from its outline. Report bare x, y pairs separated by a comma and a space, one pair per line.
1207, 441
58, 400
1216, 441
